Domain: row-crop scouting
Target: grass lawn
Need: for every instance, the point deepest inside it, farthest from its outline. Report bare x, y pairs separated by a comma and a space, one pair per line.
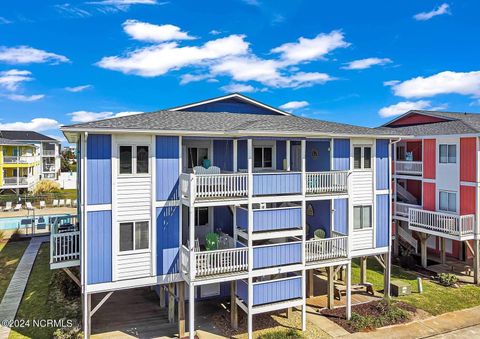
435, 299
69, 193
43, 299
10, 254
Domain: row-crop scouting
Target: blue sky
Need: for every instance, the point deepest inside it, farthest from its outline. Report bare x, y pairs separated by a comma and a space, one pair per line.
359, 62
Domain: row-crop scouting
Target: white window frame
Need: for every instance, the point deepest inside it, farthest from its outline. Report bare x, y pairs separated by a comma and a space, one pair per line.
362, 158
448, 145
197, 216
134, 251
134, 159
448, 199
362, 228
263, 156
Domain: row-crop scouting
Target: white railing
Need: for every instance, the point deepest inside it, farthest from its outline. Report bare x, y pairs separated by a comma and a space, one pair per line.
205, 186
327, 182
64, 246
48, 153
208, 263
441, 222
24, 159
185, 259
408, 238
325, 249
409, 167
20, 181
402, 208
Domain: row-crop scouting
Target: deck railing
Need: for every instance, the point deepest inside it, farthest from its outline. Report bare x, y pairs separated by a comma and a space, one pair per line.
327, 182
409, 167
22, 159
65, 246
441, 222
402, 208
325, 249
211, 186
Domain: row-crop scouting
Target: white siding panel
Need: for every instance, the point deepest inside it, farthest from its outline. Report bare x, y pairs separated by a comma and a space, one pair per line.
362, 239
362, 184
134, 265
134, 198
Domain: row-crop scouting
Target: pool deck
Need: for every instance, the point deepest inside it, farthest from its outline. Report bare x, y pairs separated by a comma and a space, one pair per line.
39, 212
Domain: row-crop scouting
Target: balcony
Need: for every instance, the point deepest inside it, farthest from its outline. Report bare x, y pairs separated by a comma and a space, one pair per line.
271, 219
65, 243
273, 255
204, 187
18, 181
451, 226
327, 182
48, 153
319, 250
402, 209
277, 183
409, 167
24, 159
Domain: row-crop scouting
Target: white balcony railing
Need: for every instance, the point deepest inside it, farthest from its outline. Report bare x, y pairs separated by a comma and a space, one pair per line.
440, 222
24, 159
211, 186
402, 208
65, 246
325, 249
409, 167
20, 181
327, 182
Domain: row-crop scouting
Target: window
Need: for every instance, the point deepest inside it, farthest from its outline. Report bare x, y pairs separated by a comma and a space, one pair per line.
447, 201
362, 217
195, 156
134, 159
448, 154
262, 157
362, 157
201, 216
134, 236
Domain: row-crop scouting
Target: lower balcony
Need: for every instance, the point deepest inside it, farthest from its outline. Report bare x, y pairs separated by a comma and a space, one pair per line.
18, 182
319, 250
442, 224
65, 243
402, 209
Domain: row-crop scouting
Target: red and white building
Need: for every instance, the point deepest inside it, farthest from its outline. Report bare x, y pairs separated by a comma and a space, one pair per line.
436, 185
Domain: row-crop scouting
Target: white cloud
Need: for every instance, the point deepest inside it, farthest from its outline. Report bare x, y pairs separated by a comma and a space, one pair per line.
78, 88
72, 11
145, 31
403, 107
252, 2
448, 82
391, 82
366, 63
124, 3
240, 88
12, 79
37, 124
294, 105
159, 59
4, 21
86, 116
25, 98
215, 32
188, 78
442, 9
28, 55
311, 49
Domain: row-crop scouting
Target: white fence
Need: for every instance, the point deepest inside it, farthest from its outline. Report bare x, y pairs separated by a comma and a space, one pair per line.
209, 186
402, 208
441, 222
409, 167
327, 182
324, 249
64, 246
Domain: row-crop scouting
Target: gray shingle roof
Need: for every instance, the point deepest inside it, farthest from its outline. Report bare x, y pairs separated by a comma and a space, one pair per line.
25, 136
225, 122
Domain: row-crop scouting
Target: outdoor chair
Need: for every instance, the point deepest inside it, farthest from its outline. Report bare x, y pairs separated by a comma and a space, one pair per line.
18, 207
55, 203
42, 204
8, 206
61, 203
75, 203
68, 203
29, 206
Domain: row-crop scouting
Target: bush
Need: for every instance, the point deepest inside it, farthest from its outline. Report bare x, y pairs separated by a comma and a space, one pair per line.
388, 314
282, 334
46, 186
447, 279
68, 333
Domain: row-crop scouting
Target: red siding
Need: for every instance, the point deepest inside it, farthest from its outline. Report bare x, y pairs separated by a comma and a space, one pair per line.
429, 158
416, 148
429, 196
415, 187
468, 159
467, 200
415, 119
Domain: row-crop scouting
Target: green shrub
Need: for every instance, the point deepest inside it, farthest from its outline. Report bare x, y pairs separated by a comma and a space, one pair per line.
68, 333
387, 313
282, 334
447, 279
46, 186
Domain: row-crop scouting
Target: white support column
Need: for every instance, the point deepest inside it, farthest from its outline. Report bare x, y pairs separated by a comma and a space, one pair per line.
191, 240
250, 242
288, 153
235, 155
86, 314
191, 311
348, 309
387, 272
304, 297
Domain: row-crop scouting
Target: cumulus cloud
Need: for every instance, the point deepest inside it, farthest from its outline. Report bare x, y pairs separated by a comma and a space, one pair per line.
37, 124
124, 4
145, 31
86, 116
440, 10
29, 55
366, 63
403, 107
294, 105
25, 98
448, 82
240, 88
76, 89
12, 79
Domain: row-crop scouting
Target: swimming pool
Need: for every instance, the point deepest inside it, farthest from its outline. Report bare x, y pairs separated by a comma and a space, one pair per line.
16, 222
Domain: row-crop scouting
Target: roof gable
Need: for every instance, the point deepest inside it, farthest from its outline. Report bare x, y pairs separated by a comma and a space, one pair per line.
232, 103
412, 118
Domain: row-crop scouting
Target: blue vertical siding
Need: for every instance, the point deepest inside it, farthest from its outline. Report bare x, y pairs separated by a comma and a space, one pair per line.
275, 291
242, 161
223, 219
242, 290
168, 233
167, 167
223, 154
382, 220
322, 161
341, 154
340, 215
99, 247
285, 183
277, 219
381, 168
277, 255
242, 218
99, 169
320, 218
231, 105
281, 153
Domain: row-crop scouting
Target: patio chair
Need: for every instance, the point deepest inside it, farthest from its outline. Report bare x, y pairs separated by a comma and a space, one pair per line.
8, 206
55, 203
17, 207
42, 204
68, 203
29, 206
61, 203
75, 203
41, 224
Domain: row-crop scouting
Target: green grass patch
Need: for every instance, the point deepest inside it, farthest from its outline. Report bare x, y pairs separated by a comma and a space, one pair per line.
48, 296
10, 254
282, 334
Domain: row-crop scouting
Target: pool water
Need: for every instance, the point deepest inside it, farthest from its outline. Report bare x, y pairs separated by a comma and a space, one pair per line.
22, 222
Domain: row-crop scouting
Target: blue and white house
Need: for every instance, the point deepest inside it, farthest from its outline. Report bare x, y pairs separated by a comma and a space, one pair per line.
224, 197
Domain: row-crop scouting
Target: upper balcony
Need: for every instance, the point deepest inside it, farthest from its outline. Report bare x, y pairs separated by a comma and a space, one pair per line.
409, 167
48, 153
408, 158
18, 160
443, 224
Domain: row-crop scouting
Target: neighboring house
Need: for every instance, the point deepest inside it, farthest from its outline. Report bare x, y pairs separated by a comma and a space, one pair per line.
436, 179
19, 166
148, 209
47, 148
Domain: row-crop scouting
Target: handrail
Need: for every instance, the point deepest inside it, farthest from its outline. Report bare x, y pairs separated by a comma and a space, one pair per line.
327, 182
452, 224
324, 249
